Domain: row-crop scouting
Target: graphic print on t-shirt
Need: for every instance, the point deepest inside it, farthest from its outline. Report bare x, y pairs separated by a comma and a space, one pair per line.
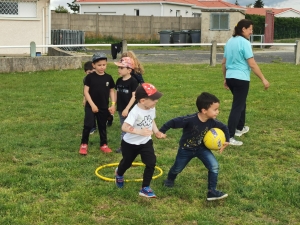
196, 137
146, 122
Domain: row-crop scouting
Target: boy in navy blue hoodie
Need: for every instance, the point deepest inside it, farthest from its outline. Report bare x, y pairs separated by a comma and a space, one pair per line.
191, 144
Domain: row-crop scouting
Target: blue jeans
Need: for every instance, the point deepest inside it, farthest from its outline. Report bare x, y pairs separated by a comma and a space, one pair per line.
205, 155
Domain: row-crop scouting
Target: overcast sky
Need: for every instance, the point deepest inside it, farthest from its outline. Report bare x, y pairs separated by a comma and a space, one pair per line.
295, 4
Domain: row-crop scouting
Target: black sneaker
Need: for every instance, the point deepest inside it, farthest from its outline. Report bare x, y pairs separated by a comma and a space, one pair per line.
110, 120
169, 183
93, 130
213, 195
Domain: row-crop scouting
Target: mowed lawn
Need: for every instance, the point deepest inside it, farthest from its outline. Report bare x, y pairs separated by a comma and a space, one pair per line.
43, 179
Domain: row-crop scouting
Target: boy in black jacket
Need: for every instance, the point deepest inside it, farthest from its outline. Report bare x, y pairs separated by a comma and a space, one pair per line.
191, 144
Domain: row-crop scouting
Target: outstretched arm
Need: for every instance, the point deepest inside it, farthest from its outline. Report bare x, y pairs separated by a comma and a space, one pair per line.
130, 129
157, 133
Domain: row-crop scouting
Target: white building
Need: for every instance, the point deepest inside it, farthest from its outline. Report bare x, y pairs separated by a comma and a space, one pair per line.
24, 21
170, 8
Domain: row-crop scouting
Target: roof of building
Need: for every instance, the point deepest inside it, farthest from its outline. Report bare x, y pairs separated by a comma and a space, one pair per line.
262, 11
199, 3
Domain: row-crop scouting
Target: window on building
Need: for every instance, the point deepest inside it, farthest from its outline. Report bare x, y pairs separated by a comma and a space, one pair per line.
136, 12
219, 21
18, 8
197, 14
177, 13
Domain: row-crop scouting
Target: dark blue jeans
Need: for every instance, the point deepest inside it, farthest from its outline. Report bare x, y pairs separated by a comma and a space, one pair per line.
237, 116
205, 155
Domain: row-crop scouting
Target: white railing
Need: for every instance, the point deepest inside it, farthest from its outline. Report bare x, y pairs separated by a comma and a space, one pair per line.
145, 45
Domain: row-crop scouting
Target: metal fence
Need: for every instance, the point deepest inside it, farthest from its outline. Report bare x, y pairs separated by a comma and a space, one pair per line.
68, 37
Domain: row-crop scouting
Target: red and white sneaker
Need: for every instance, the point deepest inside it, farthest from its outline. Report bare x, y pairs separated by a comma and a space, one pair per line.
83, 149
104, 148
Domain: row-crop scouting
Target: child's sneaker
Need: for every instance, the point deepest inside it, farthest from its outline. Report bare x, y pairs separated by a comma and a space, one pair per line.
147, 192
104, 148
232, 141
110, 120
169, 183
119, 150
119, 180
241, 132
92, 130
213, 195
83, 149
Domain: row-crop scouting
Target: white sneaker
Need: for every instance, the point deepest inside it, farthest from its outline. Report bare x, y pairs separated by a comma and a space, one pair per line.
232, 141
241, 132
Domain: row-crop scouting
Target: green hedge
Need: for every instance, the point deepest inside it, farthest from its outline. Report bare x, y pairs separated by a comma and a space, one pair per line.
283, 27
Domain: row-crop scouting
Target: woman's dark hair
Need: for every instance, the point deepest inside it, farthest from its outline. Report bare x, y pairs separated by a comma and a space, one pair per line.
238, 29
205, 100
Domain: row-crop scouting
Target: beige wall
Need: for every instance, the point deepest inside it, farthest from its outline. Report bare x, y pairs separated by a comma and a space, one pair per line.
142, 27
207, 36
123, 27
21, 31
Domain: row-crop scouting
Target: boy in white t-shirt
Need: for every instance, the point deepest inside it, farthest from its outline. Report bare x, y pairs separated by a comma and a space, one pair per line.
139, 126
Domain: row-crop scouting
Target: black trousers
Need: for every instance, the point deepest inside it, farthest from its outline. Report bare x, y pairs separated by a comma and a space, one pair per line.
89, 120
130, 152
237, 116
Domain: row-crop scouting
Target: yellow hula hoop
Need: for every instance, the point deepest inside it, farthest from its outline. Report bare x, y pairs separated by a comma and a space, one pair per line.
133, 164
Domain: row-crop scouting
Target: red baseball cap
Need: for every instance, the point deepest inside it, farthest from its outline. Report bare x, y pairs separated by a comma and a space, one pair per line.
147, 90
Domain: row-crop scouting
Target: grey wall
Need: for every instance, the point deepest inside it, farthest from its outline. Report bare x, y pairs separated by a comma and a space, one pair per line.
123, 27
28, 64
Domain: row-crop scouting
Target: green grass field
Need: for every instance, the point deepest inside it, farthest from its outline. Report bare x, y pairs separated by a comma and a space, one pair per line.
43, 179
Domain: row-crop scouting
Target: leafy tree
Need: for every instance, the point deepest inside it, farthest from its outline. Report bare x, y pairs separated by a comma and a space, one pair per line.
236, 2
258, 23
249, 5
61, 9
74, 7
258, 4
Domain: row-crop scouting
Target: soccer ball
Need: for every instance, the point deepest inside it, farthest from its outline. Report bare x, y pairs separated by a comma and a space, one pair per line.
214, 139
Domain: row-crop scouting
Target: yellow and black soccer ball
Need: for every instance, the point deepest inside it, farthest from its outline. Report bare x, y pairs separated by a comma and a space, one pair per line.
214, 139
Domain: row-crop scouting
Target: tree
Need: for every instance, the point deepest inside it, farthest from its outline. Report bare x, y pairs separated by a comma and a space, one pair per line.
249, 5
236, 2
61, 9
74, 7
258, 4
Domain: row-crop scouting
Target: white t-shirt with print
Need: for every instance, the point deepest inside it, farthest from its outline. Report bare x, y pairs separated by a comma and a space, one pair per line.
139, 118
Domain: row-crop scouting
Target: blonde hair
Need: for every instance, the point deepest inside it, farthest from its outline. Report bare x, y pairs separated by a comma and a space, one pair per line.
138, 66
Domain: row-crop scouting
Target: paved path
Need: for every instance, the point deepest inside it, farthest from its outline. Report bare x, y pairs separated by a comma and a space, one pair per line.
274, 54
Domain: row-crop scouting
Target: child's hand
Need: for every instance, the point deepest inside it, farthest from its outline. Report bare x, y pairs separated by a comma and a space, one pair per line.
112, 110
224, 146
145, 132
125, 113
95, 109
160, 135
